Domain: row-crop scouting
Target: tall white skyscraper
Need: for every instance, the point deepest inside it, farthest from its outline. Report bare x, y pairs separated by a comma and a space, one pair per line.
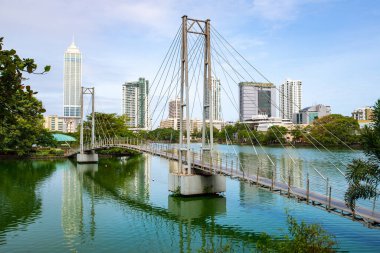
135, 103
290, 98
216, 100
72, 82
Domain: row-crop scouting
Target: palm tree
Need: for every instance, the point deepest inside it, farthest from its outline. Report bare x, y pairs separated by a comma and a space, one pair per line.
363, 176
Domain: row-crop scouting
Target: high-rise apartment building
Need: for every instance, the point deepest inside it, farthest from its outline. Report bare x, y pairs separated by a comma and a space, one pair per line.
54, 123
135, 103
175, 108
290, 98
216, 100
256, 99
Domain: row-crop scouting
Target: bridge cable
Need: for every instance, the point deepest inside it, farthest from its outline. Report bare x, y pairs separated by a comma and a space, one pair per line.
223, 39
301, 130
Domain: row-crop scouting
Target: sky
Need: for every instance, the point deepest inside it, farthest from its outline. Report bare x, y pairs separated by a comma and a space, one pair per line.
333, 46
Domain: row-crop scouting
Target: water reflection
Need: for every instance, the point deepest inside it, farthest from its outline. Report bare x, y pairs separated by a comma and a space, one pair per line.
127, 182
20, 203
196, 207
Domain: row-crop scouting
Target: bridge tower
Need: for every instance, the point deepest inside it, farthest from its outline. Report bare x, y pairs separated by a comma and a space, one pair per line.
189, 181
89, 157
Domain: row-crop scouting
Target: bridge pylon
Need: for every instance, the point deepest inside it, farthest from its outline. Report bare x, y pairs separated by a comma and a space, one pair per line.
188, 181
89, 157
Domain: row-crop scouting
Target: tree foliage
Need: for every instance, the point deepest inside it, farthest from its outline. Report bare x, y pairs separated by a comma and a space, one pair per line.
163, 134
363, 176
107, 125
332, 129
21, 120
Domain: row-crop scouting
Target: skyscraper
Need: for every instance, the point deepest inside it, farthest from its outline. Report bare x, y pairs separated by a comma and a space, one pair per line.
290, 98
72, 83
175, 108
216, 100
256, 99
135, 103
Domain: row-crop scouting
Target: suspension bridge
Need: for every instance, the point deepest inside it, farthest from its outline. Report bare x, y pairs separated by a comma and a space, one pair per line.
188, 58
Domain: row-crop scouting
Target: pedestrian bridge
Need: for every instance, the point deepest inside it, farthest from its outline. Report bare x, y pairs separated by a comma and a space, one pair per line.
219, 164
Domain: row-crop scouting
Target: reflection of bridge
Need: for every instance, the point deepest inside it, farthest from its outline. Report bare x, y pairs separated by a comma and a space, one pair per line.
214, 163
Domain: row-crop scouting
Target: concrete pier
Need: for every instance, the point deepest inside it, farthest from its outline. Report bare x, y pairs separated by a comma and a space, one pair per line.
87, 158
188, 185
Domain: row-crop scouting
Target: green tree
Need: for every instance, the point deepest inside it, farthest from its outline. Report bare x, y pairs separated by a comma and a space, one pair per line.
334, 129
275, 134
164, 134
363, 176
21, 120
107, 125
297, 134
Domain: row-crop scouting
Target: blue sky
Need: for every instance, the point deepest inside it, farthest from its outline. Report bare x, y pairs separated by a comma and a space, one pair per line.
333, 46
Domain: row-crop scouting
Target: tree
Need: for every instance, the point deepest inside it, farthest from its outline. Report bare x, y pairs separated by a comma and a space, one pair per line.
164, 134
107, 125
334, 129
276, 134
297, 134
21, 120
363, 176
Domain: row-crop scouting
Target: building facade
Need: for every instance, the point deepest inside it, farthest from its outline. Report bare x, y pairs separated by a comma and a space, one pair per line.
256, 99
135, 103
54, 123
175, 108
290, 98
364, 113
72, 82
216, 90
309, 114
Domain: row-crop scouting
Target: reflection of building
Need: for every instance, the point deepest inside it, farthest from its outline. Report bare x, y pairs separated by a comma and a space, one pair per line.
135, 103
292, 169
139, 182
72, 205
215, 86
72, 83
290, 98
309, 114
256, 99
54, 123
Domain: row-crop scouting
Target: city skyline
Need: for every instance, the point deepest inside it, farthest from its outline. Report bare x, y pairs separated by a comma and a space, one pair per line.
314, 41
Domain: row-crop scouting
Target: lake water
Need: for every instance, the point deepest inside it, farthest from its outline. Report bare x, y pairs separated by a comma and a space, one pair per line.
123, 205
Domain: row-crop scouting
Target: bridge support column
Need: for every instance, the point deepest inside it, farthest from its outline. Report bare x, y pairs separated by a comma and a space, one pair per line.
87, 158
189, 185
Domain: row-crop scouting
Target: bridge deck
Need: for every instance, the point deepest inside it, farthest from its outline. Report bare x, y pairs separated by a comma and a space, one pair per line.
334, 205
